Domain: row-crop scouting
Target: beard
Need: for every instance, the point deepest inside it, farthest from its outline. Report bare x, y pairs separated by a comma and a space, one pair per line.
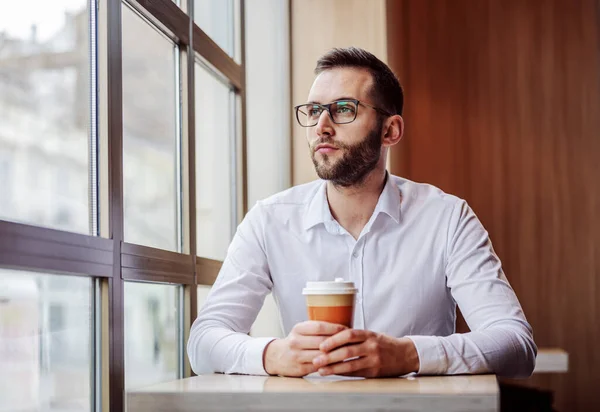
357, 160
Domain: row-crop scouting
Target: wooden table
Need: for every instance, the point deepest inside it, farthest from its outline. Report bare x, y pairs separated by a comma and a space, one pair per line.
218, 392
551, 360
314, 393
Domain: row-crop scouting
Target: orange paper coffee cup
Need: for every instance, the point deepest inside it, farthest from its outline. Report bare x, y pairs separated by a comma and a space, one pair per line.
330, 301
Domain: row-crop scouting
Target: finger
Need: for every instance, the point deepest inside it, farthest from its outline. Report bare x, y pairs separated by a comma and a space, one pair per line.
318, 328
299, 370
307, 356
306, 342
345, 367
362, 373
341, 354
307, 368
343, 338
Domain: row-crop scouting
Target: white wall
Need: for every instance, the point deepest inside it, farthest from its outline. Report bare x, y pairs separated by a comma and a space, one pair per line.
268, 116
268, 102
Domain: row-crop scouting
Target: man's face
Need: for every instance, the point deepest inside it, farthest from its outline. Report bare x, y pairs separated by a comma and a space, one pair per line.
344, 153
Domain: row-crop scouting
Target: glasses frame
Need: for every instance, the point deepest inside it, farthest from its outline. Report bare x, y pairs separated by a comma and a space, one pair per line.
327, 107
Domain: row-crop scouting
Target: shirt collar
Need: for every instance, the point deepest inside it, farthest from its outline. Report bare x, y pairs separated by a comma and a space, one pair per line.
318, 210
389, 200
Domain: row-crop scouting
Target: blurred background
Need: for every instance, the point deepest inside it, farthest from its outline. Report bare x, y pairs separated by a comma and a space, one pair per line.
105, 258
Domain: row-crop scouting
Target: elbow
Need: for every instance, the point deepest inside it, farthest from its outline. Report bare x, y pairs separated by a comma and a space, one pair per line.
521, 363
530, 357
195, 351
192, 352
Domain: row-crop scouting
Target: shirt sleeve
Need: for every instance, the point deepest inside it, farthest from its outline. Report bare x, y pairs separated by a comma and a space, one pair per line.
219, 340
501, 339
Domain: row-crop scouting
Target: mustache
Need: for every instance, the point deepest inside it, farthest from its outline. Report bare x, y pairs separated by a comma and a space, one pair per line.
330, 142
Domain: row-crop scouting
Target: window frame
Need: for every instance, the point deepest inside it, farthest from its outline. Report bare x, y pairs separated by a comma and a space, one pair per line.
106, 258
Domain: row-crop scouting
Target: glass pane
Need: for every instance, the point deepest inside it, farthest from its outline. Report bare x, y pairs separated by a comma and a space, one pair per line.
217, 18
45, 342
203, 292
44, 113
214, 153
149, 135
178, 2
151, 334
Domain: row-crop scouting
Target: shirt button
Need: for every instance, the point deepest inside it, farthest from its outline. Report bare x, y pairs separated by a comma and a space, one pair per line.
355, 255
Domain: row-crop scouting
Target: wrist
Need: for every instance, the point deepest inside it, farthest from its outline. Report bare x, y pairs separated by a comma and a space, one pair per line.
409, 361
413, 362
268, 356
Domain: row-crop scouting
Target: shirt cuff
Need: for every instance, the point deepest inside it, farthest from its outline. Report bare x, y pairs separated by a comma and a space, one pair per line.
432, 356
254, 356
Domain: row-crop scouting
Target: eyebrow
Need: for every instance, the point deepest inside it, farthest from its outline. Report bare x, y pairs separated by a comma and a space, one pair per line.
335, 100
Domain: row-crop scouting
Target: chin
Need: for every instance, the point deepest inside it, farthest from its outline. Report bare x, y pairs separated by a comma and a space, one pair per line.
326, 166
326, 173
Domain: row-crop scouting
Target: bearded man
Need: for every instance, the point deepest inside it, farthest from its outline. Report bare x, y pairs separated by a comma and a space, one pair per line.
413, 251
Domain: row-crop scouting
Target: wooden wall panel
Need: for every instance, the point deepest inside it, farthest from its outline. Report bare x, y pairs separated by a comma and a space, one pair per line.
503, 109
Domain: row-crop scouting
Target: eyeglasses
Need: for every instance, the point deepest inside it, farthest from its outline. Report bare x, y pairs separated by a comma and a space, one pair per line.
340, 112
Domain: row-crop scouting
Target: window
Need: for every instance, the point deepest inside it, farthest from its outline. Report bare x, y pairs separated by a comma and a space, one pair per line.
218, 19
95, 138
203, 292
152, 335
45, 102
150, 135
6, 165
45, 342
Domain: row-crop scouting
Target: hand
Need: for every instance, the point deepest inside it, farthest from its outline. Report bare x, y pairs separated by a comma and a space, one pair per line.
293, 356
378, 355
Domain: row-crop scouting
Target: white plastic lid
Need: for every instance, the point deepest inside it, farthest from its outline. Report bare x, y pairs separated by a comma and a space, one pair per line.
337, 287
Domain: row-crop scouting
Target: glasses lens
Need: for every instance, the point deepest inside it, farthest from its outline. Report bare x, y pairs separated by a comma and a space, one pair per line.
343, 111
308, 114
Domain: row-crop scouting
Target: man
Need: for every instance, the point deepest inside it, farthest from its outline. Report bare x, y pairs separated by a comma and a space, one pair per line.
413, 251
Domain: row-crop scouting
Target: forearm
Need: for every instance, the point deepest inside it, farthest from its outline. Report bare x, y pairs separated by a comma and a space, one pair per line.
215, 348
219, 340
506, 350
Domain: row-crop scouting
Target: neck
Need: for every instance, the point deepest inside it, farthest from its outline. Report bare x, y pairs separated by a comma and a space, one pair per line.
353, 206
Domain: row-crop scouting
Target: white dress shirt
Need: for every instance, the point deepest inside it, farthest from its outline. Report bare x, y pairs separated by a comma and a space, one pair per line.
421, 253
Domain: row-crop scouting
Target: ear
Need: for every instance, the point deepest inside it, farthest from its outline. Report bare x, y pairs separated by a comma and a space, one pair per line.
393, 130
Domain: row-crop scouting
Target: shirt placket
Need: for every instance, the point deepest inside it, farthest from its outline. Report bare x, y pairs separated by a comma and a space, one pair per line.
356, 276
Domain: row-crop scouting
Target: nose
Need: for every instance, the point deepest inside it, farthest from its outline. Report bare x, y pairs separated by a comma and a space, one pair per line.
324, 126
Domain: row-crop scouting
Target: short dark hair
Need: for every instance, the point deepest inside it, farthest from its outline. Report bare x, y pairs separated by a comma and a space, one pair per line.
386, 91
